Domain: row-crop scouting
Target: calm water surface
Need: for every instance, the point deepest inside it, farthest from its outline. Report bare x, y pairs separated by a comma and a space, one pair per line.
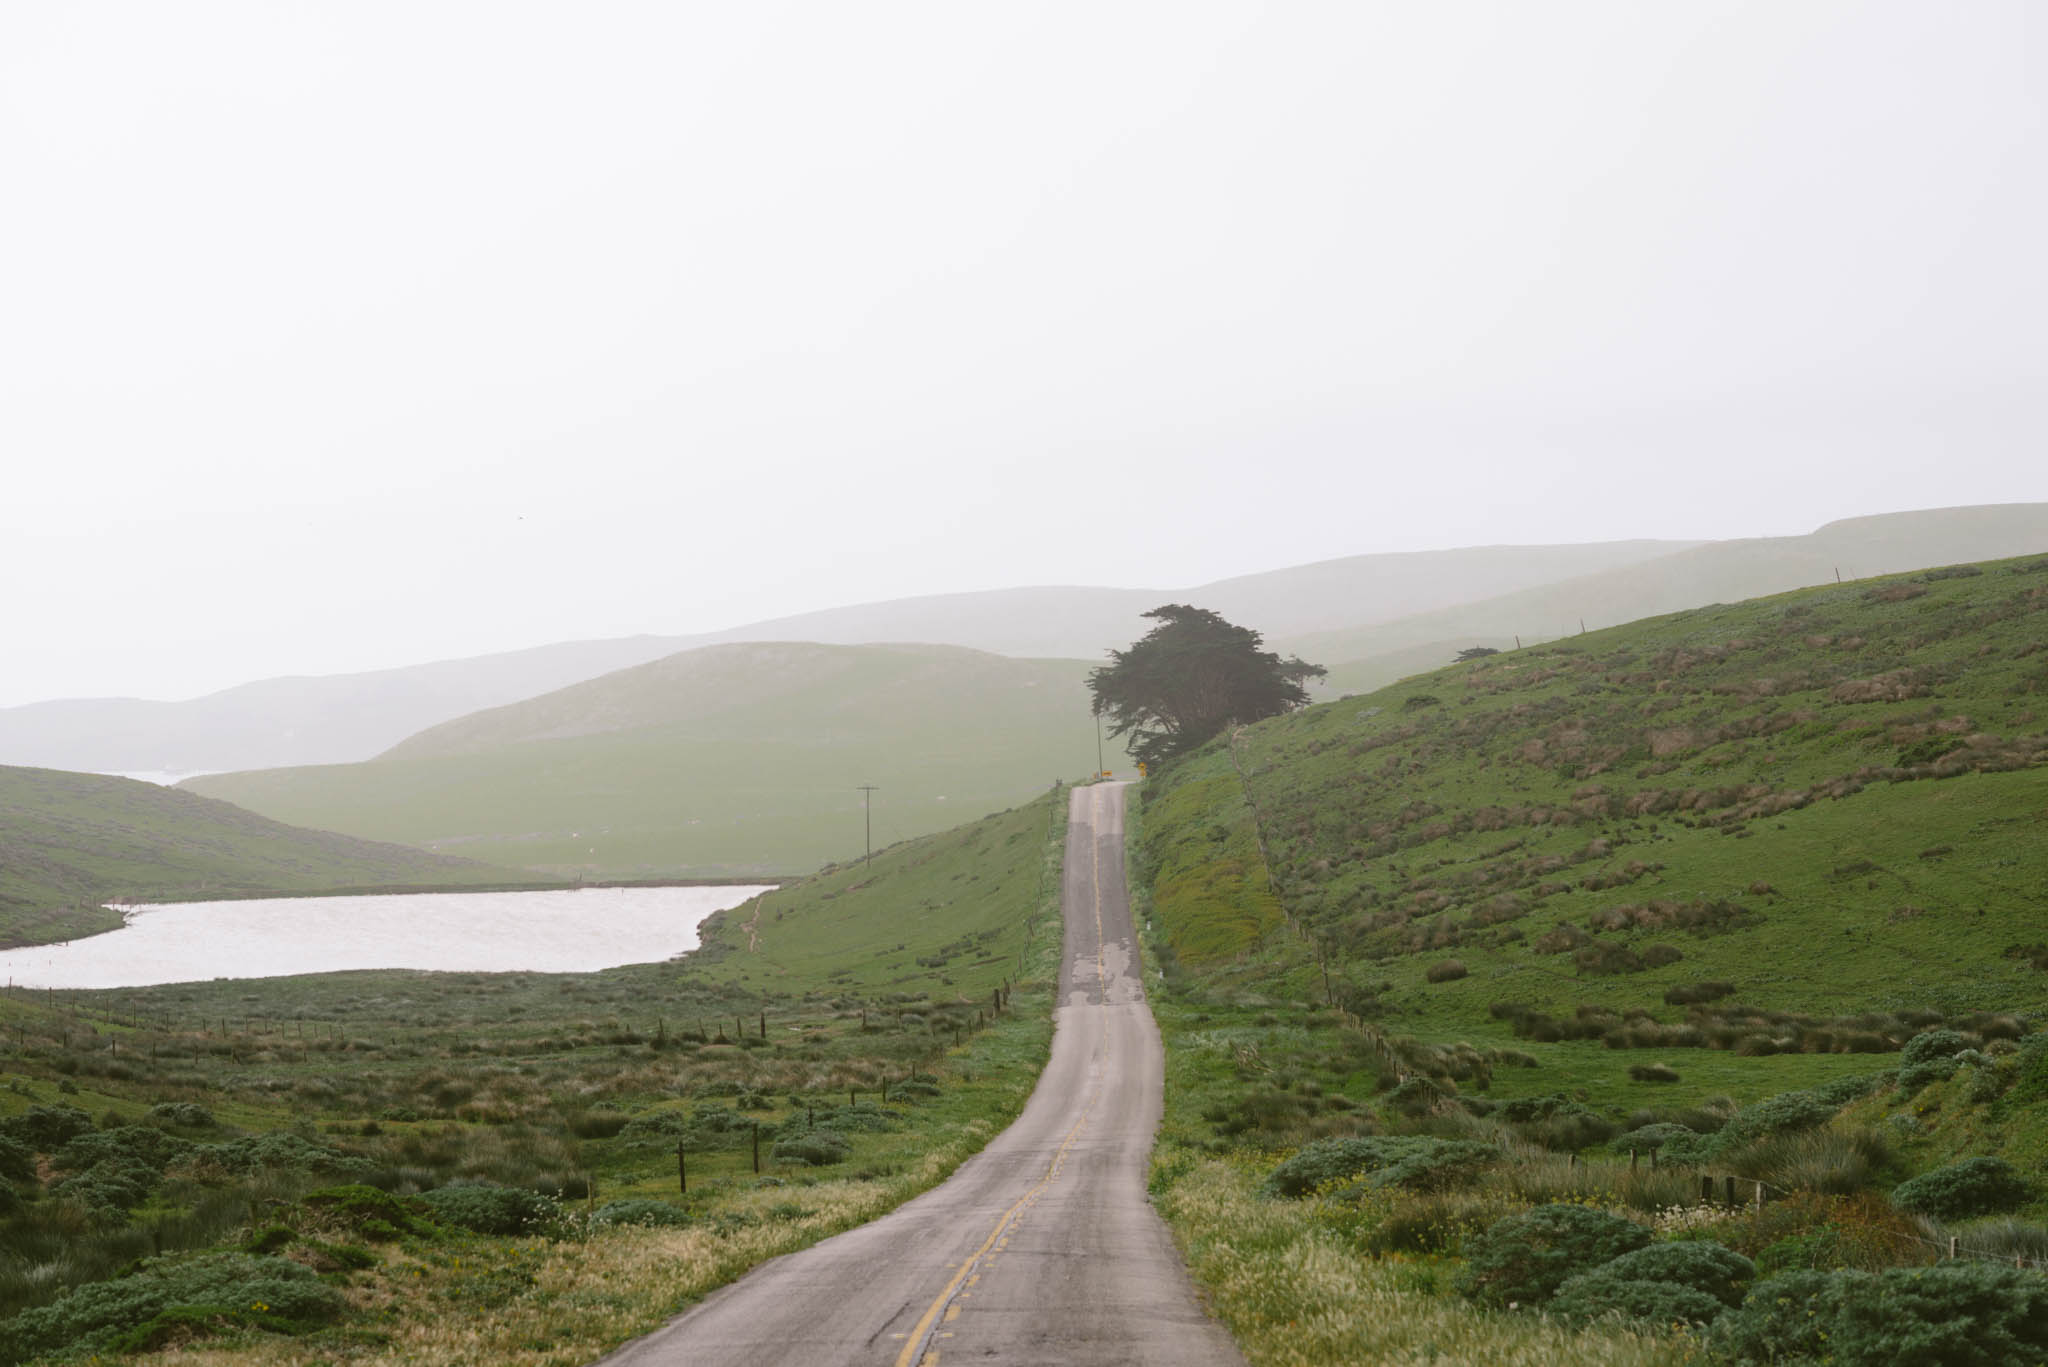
571, 931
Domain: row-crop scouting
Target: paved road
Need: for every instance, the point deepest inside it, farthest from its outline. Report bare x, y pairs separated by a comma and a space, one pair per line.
1039, 1249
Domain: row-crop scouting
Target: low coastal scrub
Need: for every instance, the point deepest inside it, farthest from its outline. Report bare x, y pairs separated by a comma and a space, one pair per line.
516, 1168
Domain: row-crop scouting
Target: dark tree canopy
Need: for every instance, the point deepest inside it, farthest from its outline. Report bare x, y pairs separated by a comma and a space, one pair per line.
1191, 676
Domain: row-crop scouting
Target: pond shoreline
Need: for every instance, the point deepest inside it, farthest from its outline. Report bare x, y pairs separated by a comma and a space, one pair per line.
553, 928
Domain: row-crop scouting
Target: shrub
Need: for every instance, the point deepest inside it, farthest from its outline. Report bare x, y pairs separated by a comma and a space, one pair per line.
140, 1144
284, 1151
46, 1128
818, 1148
375, 1215
1523, 1259
199, 1292
1930, 1046
490, 1209
1785, 1318
110, 1188
1958, 1314
17, 1160
1784, 1113
1593, 1294
1416, 1161
1700, 1264
185, 1115
1448, 971
1975, 1186
640, 1211
1689, 994
1675, 1143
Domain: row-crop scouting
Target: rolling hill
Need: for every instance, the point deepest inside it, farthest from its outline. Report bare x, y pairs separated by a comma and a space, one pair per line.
743, 758
1372, 619
70, 842
1373, 655
1830, 805
343, 718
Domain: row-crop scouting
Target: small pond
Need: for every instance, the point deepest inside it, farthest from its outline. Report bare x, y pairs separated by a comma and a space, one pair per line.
566, 931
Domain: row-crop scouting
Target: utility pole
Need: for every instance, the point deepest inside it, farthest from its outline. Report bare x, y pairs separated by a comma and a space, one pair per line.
867, 808
1098, 745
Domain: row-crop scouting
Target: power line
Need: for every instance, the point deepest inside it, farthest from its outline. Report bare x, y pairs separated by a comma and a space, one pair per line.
867, 807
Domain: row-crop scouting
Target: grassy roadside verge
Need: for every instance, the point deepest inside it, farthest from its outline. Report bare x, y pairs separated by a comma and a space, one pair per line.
848, 1026
1289, 1279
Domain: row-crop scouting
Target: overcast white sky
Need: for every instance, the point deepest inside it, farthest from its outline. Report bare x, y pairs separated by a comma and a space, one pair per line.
350, 335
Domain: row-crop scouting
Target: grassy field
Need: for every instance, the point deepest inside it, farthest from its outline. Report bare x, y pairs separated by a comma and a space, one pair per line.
499, 1152
1501, 937
727, 760
71, 842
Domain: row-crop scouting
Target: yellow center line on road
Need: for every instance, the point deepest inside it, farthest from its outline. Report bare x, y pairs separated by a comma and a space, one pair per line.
967, 1273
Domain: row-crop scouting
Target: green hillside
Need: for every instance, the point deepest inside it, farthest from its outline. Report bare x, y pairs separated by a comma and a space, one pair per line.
729, 759
1834, 800
1748, 897
70, 842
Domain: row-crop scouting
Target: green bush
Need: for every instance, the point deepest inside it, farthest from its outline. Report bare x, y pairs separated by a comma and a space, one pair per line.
1975, 1186
1956, 1314
285, 1151
142, 1144
1672, 1142
46, 1128
110, 1188
1592, 1295
1932, 1056
1787, 1318
1419, 1162
640, 1211
490, 1209
17, 1160
185, 1115
1523, 1259
364, 1210
818, 1148
200, 1292
1784, 1113
1700, 1264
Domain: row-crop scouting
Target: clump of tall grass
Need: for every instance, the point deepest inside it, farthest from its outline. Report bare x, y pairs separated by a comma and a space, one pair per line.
1835, 1162
1293, 1291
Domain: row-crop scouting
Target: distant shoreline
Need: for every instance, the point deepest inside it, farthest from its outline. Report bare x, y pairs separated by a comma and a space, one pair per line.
415, 889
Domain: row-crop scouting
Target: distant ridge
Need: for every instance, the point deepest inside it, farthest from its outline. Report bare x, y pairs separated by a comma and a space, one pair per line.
1371, 618
739, 758
345, 717
1371, 656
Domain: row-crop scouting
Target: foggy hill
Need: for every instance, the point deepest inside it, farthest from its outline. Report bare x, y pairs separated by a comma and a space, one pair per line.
344, 717
735, 758
1372, 656
69, 842
1371, 618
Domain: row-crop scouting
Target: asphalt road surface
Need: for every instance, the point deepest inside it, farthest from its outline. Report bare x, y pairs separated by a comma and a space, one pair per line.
1041, 1248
